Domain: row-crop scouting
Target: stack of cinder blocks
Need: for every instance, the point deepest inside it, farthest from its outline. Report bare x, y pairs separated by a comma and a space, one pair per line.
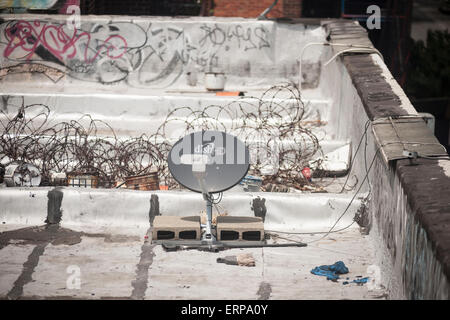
189, 228
176, 228
240, 228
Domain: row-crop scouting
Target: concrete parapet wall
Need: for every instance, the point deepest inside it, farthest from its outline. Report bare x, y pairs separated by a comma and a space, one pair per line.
138, 52
131, 115
111, 208
409, 206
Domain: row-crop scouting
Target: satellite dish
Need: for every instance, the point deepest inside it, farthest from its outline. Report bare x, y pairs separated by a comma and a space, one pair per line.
209, 161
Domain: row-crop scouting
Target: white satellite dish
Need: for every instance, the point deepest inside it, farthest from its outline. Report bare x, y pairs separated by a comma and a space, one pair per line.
209, 162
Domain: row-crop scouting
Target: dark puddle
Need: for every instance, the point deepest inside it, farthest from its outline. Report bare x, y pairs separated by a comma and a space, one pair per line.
56, 235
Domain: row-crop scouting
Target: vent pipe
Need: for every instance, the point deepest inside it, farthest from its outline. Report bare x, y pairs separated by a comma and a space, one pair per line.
263, 16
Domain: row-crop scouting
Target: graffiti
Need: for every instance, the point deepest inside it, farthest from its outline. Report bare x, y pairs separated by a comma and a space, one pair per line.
56, 43
140, 54
169, 49
33, 68
98, 54
247, 38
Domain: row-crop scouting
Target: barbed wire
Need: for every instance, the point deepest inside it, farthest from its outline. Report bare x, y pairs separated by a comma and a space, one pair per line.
271, 125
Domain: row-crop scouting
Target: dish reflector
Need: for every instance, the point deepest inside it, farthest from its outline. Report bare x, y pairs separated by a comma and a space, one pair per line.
223, 158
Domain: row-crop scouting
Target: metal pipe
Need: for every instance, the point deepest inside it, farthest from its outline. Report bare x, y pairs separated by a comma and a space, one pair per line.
262, 16
208, 234
218, 246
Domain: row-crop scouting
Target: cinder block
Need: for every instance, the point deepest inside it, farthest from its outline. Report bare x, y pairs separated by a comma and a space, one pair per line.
176, 228
240, 228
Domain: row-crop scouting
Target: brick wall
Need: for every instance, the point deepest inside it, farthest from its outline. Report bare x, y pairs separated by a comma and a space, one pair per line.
253, 8
292, 8
141, 7
219, 8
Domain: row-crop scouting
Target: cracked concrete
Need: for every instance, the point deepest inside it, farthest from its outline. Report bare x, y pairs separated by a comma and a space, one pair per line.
129, 268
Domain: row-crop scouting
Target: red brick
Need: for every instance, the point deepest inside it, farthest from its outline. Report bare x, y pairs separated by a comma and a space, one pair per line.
253, 8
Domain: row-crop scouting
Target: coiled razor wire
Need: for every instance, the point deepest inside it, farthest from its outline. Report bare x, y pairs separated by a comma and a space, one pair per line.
281, 144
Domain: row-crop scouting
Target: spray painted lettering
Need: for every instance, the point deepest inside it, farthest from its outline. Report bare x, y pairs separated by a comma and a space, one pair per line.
141, 54
57, 43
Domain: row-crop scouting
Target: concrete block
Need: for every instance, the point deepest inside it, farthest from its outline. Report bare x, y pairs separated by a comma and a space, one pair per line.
240, 228
176, 228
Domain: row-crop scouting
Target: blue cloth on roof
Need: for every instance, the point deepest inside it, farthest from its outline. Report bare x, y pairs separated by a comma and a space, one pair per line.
361, 280
332, 272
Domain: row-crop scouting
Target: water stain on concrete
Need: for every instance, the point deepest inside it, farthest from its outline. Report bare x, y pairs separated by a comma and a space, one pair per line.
41, 236
259, 208
54, 212
154, 208
264, 291
56, 235
141, 283
27, 271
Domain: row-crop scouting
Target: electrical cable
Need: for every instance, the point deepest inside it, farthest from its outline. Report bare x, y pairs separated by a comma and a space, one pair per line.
350, 203
310, 233
433, 158
356, 50
352, 48
366, 177
356, 153
215, 200
365, 166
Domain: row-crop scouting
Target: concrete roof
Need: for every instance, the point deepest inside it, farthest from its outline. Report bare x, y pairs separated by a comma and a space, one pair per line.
105, 233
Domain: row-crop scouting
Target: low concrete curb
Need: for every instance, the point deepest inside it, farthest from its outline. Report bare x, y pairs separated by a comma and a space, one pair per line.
128, 208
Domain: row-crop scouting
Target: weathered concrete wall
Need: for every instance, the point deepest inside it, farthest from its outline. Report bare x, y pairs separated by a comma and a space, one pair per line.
82, 208
414, 253
150, 52
408, 205
146, 114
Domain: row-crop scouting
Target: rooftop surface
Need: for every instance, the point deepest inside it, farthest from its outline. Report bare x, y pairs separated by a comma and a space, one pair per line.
127, 267
76, 243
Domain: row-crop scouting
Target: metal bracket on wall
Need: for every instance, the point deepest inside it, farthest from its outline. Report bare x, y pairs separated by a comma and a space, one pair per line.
397, 135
